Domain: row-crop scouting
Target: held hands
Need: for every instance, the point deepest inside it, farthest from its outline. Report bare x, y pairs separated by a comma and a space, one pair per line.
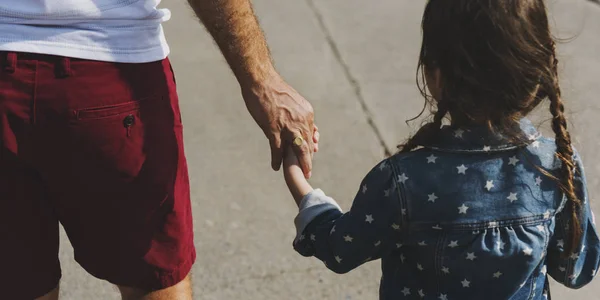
292, 172
283, 115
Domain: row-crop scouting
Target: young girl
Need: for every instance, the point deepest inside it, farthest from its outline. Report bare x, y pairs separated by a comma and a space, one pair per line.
484, 206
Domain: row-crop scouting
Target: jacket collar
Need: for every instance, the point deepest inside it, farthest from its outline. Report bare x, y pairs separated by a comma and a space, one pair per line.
480, 139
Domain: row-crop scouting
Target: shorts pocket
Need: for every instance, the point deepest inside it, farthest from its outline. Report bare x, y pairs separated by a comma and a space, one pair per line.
114, 110
119, 137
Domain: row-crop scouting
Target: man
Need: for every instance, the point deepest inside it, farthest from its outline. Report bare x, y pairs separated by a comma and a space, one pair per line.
91, 137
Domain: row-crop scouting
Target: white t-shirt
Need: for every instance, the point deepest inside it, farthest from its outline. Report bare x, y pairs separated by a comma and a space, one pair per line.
106, 30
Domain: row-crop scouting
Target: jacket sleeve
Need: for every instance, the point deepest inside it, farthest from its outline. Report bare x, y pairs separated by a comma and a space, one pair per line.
343, 241
574, 270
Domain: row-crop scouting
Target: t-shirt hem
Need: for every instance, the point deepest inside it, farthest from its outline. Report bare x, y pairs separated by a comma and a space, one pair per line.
156, 53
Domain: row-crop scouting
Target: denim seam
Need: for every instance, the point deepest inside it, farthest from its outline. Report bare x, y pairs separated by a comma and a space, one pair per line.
401, 199
439, 260
480, 225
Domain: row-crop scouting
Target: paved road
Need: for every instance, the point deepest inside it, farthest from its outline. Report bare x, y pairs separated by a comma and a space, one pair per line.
355, 62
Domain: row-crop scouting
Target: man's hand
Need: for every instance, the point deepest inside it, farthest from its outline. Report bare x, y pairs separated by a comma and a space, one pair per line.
278, 109
283, 114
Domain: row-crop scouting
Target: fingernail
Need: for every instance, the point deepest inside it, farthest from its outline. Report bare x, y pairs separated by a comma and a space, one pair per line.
309, 174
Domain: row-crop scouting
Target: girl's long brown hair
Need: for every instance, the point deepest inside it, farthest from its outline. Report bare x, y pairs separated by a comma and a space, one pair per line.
497, 62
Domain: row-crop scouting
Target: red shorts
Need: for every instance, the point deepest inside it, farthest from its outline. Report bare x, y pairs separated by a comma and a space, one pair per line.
98, 147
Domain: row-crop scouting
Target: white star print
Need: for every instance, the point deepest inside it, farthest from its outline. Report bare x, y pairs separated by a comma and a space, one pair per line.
431, 159
535, 144
528, 251
313, 237
301, 238
547, 215
398, 245
436, 227
512, 197
538, 180
420, 267
471, 256
492, 224
497, 274
443, 297
532, 137
406, 291
386, 192
459, 133
432, 197
364, 189
348, 238
382, 166
462, 169
396, 226
487, 148
404, 211
544, 270
422, 243
402, 178
513, 160
446, 270
377, 243
540, 228
500, 245
562, 269
338, 259
560, 243
489, 185
466, 283
574, 256
421, 293
369, 219
453, 244
332, 230
402, 257
463, 209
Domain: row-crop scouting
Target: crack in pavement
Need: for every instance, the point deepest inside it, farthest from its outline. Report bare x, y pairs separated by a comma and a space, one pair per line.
351, 79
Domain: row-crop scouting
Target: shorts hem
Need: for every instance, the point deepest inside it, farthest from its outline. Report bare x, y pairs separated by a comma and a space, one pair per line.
159, 280
169, 279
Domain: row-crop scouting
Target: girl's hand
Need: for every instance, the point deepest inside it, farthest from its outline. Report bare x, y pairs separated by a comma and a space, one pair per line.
294, 177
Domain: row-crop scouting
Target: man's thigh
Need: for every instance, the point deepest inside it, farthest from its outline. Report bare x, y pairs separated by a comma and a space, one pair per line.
110, 151
28, 224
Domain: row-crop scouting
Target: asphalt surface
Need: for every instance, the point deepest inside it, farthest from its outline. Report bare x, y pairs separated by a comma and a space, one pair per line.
355, 61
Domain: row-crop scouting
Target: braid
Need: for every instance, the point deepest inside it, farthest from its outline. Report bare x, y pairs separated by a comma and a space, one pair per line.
564, 151
426, 131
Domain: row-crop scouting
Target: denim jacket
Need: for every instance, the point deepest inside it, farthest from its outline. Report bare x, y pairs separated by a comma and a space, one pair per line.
466, 217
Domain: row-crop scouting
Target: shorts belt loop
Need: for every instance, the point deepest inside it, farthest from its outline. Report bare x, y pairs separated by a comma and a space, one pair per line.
63, 68
10, 65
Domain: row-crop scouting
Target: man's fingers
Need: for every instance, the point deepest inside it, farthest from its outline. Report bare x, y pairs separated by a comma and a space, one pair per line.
276, 152
304, 153
304, 158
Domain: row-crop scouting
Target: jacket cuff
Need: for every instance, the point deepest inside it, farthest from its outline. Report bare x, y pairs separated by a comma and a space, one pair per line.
312, 205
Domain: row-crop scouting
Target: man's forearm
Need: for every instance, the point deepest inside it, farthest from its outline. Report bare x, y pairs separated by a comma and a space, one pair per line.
236, 31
